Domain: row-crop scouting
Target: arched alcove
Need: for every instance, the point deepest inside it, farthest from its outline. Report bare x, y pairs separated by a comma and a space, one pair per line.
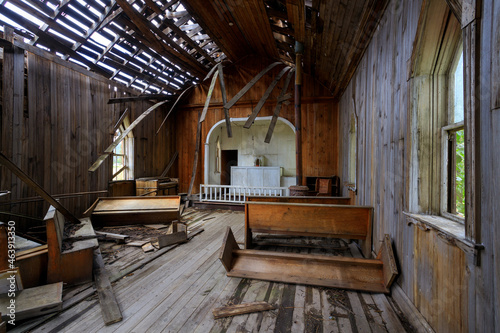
249, 145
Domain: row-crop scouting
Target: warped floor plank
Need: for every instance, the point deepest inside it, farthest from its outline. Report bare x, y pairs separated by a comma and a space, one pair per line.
178, 291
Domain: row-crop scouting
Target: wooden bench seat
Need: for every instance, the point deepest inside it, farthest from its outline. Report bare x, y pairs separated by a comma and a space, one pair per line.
74, 264
50, 263
315, 220
300, 199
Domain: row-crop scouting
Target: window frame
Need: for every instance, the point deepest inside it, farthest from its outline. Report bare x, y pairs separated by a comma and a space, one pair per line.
128, 153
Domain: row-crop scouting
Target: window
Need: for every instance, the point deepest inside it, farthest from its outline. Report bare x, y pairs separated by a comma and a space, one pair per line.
123, 160
453, 168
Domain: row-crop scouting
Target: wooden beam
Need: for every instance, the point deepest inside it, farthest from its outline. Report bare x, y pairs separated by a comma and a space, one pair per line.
172, 108
156, 97
120, 120
249, 85
278, 107
109, 306
172, 160
171, 24
37, 188
268, 91
296, 10
115, 143
150, 32
224, 101
209, 95
196, 153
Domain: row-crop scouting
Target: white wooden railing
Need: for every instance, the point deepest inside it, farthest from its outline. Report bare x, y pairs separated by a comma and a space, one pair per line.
237, 194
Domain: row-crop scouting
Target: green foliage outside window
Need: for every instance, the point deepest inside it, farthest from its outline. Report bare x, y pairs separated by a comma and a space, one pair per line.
460, 173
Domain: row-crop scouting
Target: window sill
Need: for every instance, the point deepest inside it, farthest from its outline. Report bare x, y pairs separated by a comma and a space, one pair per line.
450, 231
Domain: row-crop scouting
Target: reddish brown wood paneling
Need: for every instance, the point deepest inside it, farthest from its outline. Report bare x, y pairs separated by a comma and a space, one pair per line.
319, 118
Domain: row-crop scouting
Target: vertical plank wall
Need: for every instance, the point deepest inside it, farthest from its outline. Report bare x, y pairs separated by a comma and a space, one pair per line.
451, 294
319, 118
63, 127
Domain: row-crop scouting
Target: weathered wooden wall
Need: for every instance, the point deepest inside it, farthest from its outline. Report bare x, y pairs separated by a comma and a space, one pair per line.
319, 118
438, 277
63, 128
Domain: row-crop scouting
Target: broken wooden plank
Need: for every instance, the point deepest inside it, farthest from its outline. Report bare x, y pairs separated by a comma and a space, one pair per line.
117, 237
136, 243
264, 98
10, 280
224, 101
195, 162
238, 309
120, 120
172, 108
171, 239
115, 143
172, 160
33, 302
157, 97
209, 96
277, 109
249, 85
109, 306
148, 247
38, 189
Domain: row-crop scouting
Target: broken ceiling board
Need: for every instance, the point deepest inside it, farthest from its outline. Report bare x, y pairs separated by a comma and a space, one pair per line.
33, 302
268, 91
115, 143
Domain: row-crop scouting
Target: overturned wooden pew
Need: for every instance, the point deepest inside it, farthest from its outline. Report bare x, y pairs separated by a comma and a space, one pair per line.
314, 220
134, 210
374, 275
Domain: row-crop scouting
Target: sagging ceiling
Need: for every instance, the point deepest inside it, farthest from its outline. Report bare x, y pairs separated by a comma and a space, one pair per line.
160, 47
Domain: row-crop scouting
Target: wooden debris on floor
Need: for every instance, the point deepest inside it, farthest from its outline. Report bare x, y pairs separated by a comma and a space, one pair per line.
33, 302
110, 236
171, 239
148, 247
238, 309
10, 279
109, 306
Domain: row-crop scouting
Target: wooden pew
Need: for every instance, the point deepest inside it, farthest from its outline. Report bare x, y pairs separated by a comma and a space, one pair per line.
315, 220
72, 265
32, 263
374, 275
134, 210
309, 200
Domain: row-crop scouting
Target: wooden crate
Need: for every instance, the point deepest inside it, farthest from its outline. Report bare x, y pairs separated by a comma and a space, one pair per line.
155, 186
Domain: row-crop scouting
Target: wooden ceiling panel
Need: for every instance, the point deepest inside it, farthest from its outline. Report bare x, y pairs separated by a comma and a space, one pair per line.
335, 33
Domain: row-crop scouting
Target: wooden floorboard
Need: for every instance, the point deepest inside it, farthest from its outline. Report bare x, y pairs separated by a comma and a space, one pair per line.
177, 292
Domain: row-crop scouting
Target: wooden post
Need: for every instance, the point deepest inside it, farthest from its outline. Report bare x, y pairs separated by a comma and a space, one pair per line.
299, 48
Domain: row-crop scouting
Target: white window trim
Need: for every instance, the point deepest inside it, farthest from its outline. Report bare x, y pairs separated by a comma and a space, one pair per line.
444, 171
